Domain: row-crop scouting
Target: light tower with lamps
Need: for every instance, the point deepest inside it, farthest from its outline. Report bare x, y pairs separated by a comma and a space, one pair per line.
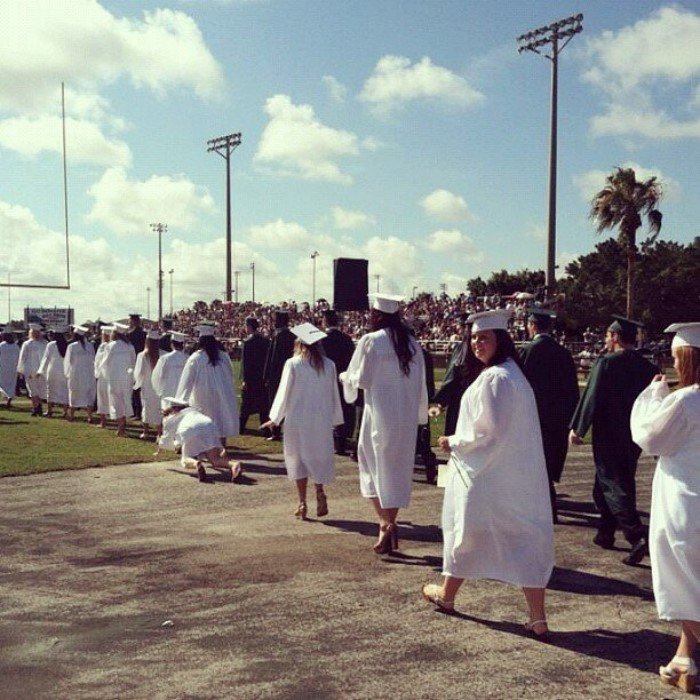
224, 146
252, 274
556, 35
160, 229
236, 274
376, 279
148, 303
314, 255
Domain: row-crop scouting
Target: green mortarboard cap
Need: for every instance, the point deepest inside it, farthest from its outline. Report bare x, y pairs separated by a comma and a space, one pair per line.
624, 325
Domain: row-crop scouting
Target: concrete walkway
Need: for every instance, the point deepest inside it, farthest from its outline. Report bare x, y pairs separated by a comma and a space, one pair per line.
140, 582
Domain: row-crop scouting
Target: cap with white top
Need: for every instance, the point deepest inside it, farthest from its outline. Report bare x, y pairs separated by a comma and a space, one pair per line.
153, 335
34, 326
120, 327
686, 334
308, 333
59, 328
205, 330
107, 329
174, 402
495, 319
81, 330
178, 337
386, 303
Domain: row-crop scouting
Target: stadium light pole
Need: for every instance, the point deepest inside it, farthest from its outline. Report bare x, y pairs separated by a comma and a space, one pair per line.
252, 274
314, 255
170, 272
376, 279
556, 35
160, 229
148, 303
237, 275
224, 146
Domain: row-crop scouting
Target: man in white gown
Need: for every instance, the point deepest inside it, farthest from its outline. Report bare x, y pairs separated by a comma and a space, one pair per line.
167, 373
30, 355
79, 368
9, 357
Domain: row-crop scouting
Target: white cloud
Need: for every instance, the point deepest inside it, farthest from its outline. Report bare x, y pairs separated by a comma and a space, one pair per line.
395, 82
563, 259
537, 231
279, 235
129, 206
349, 219
294, 142
85, 140
443, 205
592, 181
393, 259
455, 242
337, 90
654, 56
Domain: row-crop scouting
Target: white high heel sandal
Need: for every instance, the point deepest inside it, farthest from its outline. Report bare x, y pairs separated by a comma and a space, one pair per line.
680, 672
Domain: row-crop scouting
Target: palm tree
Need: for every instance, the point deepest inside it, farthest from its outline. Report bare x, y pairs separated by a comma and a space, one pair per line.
621, 204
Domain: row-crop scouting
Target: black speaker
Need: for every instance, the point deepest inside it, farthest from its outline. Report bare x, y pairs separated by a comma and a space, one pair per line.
350, 284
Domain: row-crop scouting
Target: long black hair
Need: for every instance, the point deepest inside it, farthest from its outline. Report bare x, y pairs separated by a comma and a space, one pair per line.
78, 338
469, 366
61, 343
210, 346
399, 334
505, 349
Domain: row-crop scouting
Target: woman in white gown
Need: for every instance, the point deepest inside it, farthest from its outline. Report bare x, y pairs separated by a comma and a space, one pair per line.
308, 402
668, 425
207, 384
496, 514
51, 368
146, 362
388, 365
9, 358
117, 368
167, 373
30, 355
197, 436
79, 366
102, 388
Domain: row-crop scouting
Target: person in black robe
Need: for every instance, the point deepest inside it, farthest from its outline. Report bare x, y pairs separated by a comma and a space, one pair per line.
551, 371
166, 339
253, 393
137, 337
423, 439
462, 369
615, 381
339, 347
280, 350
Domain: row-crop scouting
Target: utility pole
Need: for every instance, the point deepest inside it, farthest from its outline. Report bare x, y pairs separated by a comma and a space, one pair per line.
413, 291
552, 34
170, 272
314, 255
148, 303
224, 146
160, 229
252, 272
376, 279
236, 273
443, 288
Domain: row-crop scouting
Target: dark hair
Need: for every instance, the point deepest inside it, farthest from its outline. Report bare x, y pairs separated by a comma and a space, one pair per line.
331, 317
80, 339
8, 337
688, 365
176, 344
210, 346
252, 322
400, 337
313, 353
470, 366
152, 350
61, 343
505, 349
627, 336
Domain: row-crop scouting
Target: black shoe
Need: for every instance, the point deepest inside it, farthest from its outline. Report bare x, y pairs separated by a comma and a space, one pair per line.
637, 553
604, 541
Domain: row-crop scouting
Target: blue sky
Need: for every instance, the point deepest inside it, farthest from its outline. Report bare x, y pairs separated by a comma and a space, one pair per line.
411, 133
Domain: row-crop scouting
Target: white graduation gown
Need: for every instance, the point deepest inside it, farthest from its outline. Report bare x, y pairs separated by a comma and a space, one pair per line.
51, 368
79, 367
117, 367
9, 357
496, 514
309, 403
167, 373
150, 401
102, 388
30, 355
190, 430
395, 405
209, 388
668, 425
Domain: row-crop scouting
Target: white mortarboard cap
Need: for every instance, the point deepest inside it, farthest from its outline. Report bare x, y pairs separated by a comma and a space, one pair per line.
153, 335
686, 334
59, 328
120, 327
174, 402
205, 329
106, 329
34, 326
81, 330
386, 303
178, 337
490, 320
308, 333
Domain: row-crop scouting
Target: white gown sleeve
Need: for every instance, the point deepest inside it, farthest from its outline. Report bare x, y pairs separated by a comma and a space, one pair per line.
139, 371
338, 418
168, 439
187, 380
356, 371
22, 358
657, 422
157, 376
281, 403
491, 412
423, 406
67, 361
43, 366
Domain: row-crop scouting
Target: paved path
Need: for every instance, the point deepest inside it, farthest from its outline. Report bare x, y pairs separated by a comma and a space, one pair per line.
260, 605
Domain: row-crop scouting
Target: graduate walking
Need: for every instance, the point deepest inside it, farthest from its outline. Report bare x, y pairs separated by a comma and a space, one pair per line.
9, 359
146, 361
30, 355
167, 372
308, 402
668, 425
253, 391
79, 367
102, 387
51, 368
388, 366
280, 350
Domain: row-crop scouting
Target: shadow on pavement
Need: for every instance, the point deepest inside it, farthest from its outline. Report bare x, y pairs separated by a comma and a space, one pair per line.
581, 582
407, 530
